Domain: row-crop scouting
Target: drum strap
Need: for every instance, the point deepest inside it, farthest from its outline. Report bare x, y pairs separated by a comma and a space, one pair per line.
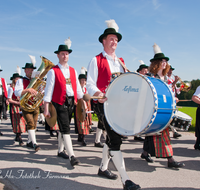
123, 65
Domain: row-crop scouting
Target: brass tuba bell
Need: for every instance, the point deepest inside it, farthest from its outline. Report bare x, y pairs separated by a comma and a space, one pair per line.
30, 102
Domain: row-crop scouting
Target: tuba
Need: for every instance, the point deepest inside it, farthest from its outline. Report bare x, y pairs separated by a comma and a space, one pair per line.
30, 102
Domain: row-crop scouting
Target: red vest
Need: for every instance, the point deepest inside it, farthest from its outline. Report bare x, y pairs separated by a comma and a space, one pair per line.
104, 72
13, 95
26, 82
4, 87
59, 92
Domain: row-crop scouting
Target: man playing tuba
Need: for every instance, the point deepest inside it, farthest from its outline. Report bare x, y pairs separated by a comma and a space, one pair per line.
30, 117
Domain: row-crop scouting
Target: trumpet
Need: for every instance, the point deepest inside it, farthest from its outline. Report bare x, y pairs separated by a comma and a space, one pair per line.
184, 86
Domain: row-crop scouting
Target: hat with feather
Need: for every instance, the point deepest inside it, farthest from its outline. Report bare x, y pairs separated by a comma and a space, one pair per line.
0, 68
158, 53
65, 47
30, 65
142, 66
112, 28
83, 74
16, 74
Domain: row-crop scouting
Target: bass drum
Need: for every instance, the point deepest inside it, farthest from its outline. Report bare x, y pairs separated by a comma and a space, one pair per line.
139, 105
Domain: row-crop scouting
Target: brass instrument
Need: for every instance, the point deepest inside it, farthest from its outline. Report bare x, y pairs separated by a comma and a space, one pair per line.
184, 86
30, 102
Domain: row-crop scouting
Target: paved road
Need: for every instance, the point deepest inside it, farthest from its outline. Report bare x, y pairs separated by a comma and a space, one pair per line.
23, 169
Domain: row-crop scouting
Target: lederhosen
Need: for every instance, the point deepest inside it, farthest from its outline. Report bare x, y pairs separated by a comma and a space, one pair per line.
30, 117
159, 145
18, 122
83, 127
64, 104
113, 139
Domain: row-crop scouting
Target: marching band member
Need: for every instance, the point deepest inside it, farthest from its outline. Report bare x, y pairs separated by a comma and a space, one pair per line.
62, 89
30, 117
196, 99
99, 72
159, 145
17, 120
84, 127
173, 82
3, 96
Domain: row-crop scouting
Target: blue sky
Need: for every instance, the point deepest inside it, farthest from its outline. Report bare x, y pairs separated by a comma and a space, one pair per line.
39, 27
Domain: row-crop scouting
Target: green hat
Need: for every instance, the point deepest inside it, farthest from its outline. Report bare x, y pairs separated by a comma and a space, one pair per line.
142, 66
110, 31
159, 56
82, 76
63, 48
171, 68
29, 66
15, 75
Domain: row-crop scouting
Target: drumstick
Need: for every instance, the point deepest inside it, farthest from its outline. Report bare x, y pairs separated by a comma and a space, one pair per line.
184, 100
87, 97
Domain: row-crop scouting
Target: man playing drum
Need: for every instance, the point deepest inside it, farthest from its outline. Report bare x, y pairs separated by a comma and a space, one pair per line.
100, 69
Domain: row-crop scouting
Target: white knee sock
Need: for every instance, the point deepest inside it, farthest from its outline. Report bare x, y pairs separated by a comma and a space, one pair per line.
104, 134
42, 117
60, 143
98, 135
32, 137
68, 145
173, 129
119, 164
105, 158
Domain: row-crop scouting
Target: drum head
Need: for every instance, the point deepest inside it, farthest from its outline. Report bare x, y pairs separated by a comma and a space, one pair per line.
130, 104
182, 116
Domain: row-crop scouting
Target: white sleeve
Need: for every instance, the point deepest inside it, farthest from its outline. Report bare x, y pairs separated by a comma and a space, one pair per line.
197, 92
10, 92
79, 90
92, 75
49, 86
19, 87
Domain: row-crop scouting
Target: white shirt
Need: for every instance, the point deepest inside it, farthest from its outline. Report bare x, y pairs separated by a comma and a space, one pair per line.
1, 92
10, 92
92, 72
19, 87
51, 82
197, 92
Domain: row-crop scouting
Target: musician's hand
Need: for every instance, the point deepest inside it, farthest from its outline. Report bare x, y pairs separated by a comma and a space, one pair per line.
177, 100
176, 78
47, 114
32, 91
102, 100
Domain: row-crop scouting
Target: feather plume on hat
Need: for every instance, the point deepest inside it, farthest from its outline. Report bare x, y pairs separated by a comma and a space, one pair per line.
141, 62
156, 49
33, 60
68, 42
112, 24
83, 70
18, 70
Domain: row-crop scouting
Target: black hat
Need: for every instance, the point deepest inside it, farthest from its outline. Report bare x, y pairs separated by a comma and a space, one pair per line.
15, 75
65, 47
171, 68
82, 76
112, 29
29, 66
0, 69
142, 66
158, 53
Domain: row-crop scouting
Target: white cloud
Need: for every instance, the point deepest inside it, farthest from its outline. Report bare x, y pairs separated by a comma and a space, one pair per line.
156, 4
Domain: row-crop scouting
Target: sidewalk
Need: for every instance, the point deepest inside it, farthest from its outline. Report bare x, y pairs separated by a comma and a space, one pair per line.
23, 169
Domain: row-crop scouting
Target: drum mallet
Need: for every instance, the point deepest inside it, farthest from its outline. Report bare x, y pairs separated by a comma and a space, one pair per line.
87, 97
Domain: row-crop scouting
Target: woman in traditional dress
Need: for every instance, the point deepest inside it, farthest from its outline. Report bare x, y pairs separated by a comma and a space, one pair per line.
159, 145
84, 127
17, 120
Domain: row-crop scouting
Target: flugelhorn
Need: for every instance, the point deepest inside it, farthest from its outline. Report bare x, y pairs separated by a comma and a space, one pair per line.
184, 86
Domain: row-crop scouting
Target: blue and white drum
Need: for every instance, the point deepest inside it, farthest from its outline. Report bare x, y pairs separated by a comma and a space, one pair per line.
139, 105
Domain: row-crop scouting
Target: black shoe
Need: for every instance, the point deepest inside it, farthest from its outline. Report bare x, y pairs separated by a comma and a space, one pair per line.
74, 161
176, 135
84, 143
30, 145
52, 135
175, 164
129, 185
107, 173
196, 147
1, 134
147, 158
21, 142
36, 147
138, 138
92, 130
40, 122
63, 155
100, 145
